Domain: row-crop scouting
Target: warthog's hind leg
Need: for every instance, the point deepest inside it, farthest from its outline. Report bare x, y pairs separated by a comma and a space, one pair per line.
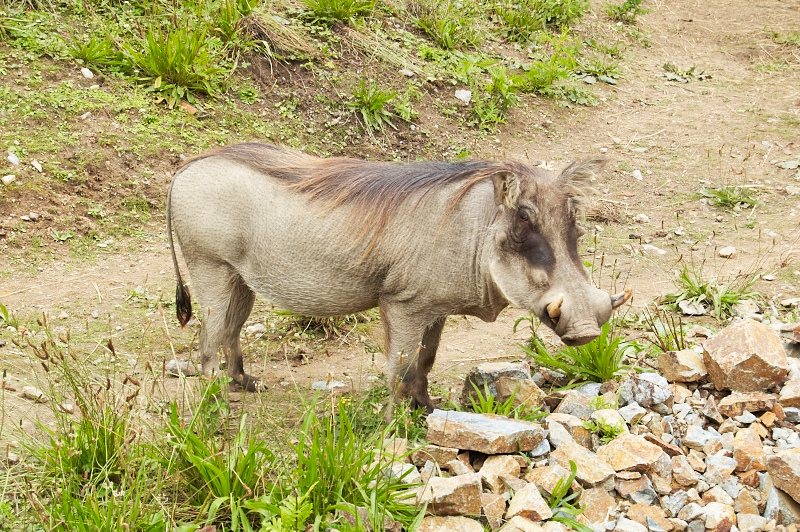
414, 371
226, 302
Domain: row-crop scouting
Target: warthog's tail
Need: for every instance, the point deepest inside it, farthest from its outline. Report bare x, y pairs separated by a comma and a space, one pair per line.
183, 301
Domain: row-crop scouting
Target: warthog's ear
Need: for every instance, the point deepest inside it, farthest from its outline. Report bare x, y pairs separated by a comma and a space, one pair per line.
506, 189
577, 175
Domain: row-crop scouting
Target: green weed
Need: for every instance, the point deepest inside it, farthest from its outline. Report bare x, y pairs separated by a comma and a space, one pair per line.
792, 38
448, 24
600, 360
563, 504
560, 13
370, 101
176, 64
483, 402
684, 75
626, 12
605, 431
729, 197
694, 289
519, 19
96, 50
338, 10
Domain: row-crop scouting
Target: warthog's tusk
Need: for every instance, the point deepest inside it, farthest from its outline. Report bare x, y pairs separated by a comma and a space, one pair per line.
617, 300
554, 308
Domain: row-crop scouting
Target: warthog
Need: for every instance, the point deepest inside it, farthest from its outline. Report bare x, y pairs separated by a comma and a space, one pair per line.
328, 237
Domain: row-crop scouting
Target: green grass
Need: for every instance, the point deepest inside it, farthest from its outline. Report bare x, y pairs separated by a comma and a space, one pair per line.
564, 504
600, 360
338, 10
729, 197
483, 402
694, 288
371, 103
625, 12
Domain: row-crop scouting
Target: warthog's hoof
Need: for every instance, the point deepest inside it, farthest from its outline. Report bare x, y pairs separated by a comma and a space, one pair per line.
248, 383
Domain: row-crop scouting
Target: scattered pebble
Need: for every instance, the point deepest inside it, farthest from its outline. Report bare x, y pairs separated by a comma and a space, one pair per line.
176, 368
36, 164
88, 74
256, 330
464, 95
8, 179
789, 165
86, 115
728, 252
637, 174
13, 159
34, 394
641, 219
406, 72
639, 150
691, 308
768, 277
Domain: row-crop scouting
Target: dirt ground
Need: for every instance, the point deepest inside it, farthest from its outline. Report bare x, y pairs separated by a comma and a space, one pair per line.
665, 140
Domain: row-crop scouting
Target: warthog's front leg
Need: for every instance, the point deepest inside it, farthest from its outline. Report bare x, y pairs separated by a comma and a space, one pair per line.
411, 348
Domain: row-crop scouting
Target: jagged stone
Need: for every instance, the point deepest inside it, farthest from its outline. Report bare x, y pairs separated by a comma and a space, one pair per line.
449, 524
748, 451
646, 389
575, 404
747, 356
486, 433
628, 525
711, 411
679, 524
512, 484
719, 517
457, 467
496, 466
784, 468
673, 503
781, 507
597, 505
642, 512
690, 512
697, 438
521, 524
745, 503
404, 471
682, 472
719, 467
790, 394
546, 477
682, 366
751, 522
460, 495
439, 455
632, 413
592, 470
553, 526
638, 491
628, 452
528, 502
525, 392
493, 507
487, 374
574, 426
541, 450
557, 433
717, 494
671, 450
736, 403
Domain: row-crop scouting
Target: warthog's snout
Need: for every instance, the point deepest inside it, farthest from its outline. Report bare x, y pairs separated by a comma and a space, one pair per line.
579, 322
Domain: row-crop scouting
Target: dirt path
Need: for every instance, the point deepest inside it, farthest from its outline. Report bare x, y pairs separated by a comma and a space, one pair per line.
666, 140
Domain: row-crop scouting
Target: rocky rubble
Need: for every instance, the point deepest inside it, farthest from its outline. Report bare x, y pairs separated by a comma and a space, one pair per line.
710, 445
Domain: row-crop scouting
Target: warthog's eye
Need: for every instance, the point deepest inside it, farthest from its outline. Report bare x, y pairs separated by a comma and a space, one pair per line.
523, 215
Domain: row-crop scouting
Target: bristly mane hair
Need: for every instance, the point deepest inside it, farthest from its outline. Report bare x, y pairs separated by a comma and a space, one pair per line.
375, 190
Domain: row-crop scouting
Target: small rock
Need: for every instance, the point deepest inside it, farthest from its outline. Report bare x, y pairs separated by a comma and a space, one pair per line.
329, 386
8, 179
496, 466
628, 452
406, 72
682, 472
88, 74
433, 523
682, 366
641, 219
790, 394
646, 389
719, 467
728, 252
176, 368
750, 522
547, 477
485, 376
719, 517
592, 470
632, 413
736, 403
528, 502
34, 394
460, 495
256, 329
692, 308
13, 159
521, 524
36, 164
638, 175
464, 95
597, 504
628, 525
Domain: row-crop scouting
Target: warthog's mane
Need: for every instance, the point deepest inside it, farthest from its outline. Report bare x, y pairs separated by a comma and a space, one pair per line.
375, 191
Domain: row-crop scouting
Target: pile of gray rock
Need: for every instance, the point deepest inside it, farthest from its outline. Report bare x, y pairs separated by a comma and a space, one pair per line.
709, 443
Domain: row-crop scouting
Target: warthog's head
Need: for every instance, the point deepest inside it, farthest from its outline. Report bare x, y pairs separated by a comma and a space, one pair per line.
535, 261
